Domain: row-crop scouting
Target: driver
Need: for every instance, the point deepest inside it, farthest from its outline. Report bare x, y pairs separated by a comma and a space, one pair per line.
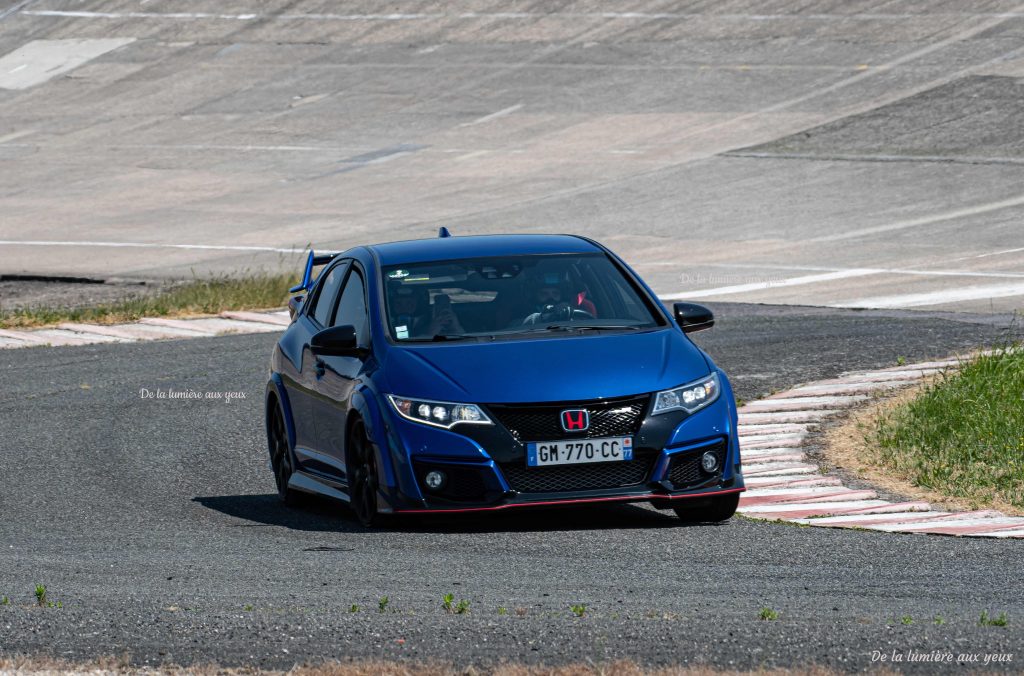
548, 298
548, 303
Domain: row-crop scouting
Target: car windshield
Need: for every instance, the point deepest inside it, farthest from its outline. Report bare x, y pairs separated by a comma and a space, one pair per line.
512, 295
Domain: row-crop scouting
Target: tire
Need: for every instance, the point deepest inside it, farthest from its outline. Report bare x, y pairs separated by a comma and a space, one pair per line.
716, 509
363, 477
282, 462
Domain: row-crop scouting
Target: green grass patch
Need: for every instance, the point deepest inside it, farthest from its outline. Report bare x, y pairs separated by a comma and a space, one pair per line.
964, 434
198, 296
998, 621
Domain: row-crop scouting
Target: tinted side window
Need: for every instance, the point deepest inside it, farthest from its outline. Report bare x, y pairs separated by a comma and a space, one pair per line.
352, 308
328, 294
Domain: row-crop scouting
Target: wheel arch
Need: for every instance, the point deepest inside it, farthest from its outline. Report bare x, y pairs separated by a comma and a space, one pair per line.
365, 407
277, 395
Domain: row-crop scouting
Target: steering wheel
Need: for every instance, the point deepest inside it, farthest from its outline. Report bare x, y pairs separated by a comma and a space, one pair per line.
556, 313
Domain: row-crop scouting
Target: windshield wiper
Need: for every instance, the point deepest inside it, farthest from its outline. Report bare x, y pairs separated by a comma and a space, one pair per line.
590, 327
437, 338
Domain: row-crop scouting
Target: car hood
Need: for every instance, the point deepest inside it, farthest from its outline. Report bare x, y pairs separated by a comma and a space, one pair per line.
545, 369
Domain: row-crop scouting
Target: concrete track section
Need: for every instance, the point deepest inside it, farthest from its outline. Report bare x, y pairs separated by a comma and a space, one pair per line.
155, 523
829, 153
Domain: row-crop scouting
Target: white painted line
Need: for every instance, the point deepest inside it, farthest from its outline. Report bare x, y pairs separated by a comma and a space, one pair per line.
787, 416
139, 331
793, 481
950, 525
749, 454
59, 338
795, 493
1013, 533
747, 429
863, 519
17, 135
997, 253
883, 376
822, 508
768, 469
223, 325
420, 16
493, 116
180, 324
25, 337
782, 436
848, 388
925, 365
259, 317
471, 155
116, 332
774, 449
887, 271
837, 400
956, 295
40, 60
924, 220
753, 461
760, 286
772, 443
148, 245
83, 336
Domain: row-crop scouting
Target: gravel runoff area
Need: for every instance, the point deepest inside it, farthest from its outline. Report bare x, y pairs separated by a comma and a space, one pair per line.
155, 526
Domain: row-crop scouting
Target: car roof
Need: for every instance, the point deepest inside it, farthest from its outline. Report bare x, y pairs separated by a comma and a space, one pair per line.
478, 246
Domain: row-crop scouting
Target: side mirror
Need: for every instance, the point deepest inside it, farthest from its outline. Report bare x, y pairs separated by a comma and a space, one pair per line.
294, 303
692, 317
337, 341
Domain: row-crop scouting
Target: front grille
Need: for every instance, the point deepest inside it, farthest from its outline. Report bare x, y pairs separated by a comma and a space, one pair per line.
543, 422
586, 477
463, 483
685, 469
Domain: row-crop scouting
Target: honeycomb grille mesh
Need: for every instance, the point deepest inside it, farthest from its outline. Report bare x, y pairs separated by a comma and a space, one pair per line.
585, 477
685, 469
464, 483
543, 422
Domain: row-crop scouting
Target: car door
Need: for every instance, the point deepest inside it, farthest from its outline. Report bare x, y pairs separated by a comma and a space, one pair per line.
301, 379
340, 375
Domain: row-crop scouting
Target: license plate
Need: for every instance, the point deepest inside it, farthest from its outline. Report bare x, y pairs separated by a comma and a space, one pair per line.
576, 452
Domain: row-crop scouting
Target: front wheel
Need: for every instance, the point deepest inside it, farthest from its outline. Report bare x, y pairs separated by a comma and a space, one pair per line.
363, 477
281, 457
718, 508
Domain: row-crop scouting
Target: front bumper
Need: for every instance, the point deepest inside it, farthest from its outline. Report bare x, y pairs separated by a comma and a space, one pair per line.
486, 467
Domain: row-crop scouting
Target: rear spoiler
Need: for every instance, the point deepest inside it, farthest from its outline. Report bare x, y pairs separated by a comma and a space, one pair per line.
313, 260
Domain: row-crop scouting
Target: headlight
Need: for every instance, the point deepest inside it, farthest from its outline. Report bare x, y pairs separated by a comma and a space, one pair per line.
438, 413
689, 398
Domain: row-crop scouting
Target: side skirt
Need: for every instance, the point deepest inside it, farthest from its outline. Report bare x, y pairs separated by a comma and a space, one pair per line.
307, 483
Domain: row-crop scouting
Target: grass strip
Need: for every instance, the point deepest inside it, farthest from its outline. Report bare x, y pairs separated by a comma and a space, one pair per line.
198, 296
963, 436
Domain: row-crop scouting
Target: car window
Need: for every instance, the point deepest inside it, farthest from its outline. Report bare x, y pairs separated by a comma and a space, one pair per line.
509, 295
327, 295
352, 308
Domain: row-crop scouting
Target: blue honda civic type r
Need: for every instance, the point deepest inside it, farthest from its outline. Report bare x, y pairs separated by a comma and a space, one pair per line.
481, 373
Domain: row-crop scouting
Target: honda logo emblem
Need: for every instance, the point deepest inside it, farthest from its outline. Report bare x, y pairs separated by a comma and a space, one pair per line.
575, 420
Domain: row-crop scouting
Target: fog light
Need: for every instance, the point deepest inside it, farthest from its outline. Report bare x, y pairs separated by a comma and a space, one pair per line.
434, 480
709, 461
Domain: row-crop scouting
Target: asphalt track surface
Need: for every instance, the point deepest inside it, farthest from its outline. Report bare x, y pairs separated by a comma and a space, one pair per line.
155, 524
841, 153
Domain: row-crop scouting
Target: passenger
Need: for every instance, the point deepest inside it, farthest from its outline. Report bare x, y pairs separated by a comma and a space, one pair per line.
407, 314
